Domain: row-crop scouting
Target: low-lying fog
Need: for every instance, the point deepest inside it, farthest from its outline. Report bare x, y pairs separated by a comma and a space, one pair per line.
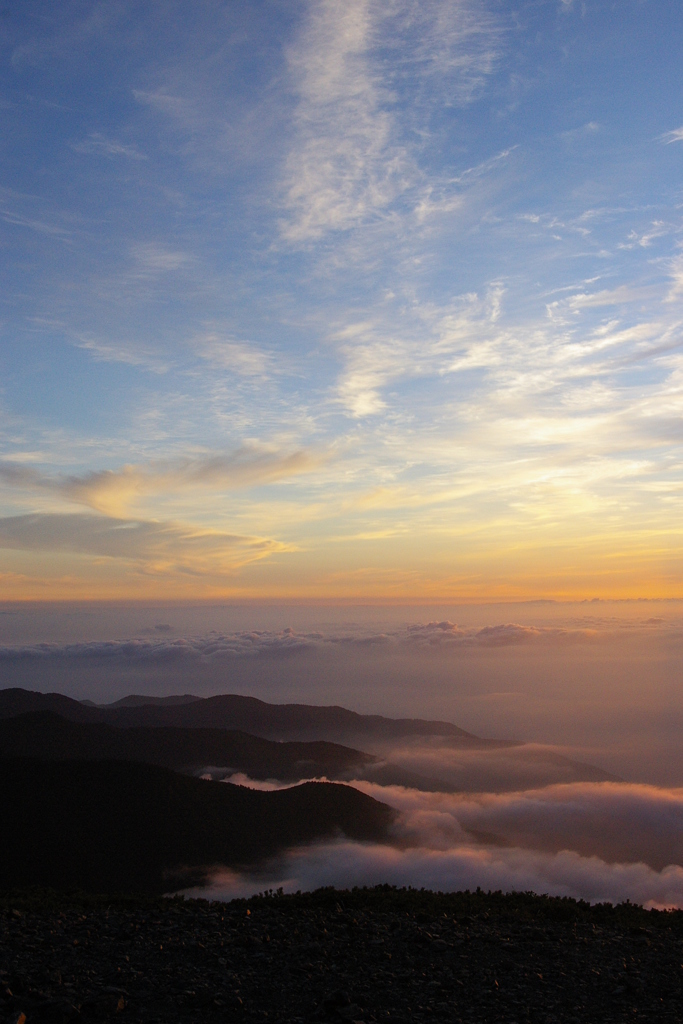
594, 841
587, 802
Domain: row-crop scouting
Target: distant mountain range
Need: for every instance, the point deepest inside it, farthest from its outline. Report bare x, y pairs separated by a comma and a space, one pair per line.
47, 735
117, 808
122, 826
195, 734
233, 711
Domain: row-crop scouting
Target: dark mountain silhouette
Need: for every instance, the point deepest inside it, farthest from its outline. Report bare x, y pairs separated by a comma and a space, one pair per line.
46, 735
113, 825
15, 701
233, 711
286, 721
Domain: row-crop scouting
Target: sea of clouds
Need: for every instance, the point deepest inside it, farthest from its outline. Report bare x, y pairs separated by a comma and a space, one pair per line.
581, 796
590, 684
214, 646
595, 841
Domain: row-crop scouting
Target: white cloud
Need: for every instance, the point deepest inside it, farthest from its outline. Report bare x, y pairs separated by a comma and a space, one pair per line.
447, 634
218, 645
130, 354
112, 491
469, 766
238, 357
98, 143
462, 408
370, 364
673, 136
346, 864
156, 547
615, 821
676, 275
605, 297
657, 229
213, 647
41, 227
401, 343
599, 842
166, 103
345, 163
574, 134
155, 258
351, 159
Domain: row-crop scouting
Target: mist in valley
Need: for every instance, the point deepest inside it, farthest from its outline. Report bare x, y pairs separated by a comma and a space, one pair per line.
570, 782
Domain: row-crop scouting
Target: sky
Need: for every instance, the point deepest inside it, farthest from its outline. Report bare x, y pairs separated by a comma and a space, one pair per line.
346, 301
341, 362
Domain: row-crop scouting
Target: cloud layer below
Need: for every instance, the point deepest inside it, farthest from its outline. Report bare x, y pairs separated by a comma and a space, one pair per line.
434, 636
600, 842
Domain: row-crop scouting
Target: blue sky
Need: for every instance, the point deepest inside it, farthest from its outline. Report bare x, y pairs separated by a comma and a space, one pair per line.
356, 300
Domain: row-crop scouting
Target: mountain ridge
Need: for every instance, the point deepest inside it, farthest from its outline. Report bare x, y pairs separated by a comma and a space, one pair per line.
107, 826
332, 723
48, 736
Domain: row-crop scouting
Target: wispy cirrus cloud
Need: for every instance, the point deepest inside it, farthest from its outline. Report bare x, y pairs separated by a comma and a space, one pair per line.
157, 258
351, 158
114, 491
158, 548
164, 102
673, 136
128, 353
98, 143
402, 344
676, 276
644, 239
607, 297
239, 357
41, 226
329, 247
345, 163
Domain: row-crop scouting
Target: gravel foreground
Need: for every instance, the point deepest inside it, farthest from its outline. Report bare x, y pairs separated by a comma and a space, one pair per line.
371, 955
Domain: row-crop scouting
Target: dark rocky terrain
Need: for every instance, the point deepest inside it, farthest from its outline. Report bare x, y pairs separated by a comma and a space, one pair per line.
120, 825
378, 955
47, 735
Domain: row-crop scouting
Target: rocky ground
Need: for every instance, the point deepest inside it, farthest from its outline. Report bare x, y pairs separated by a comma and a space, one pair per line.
380, 955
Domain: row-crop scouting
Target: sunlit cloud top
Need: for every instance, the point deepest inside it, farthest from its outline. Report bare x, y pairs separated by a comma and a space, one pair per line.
360, 300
